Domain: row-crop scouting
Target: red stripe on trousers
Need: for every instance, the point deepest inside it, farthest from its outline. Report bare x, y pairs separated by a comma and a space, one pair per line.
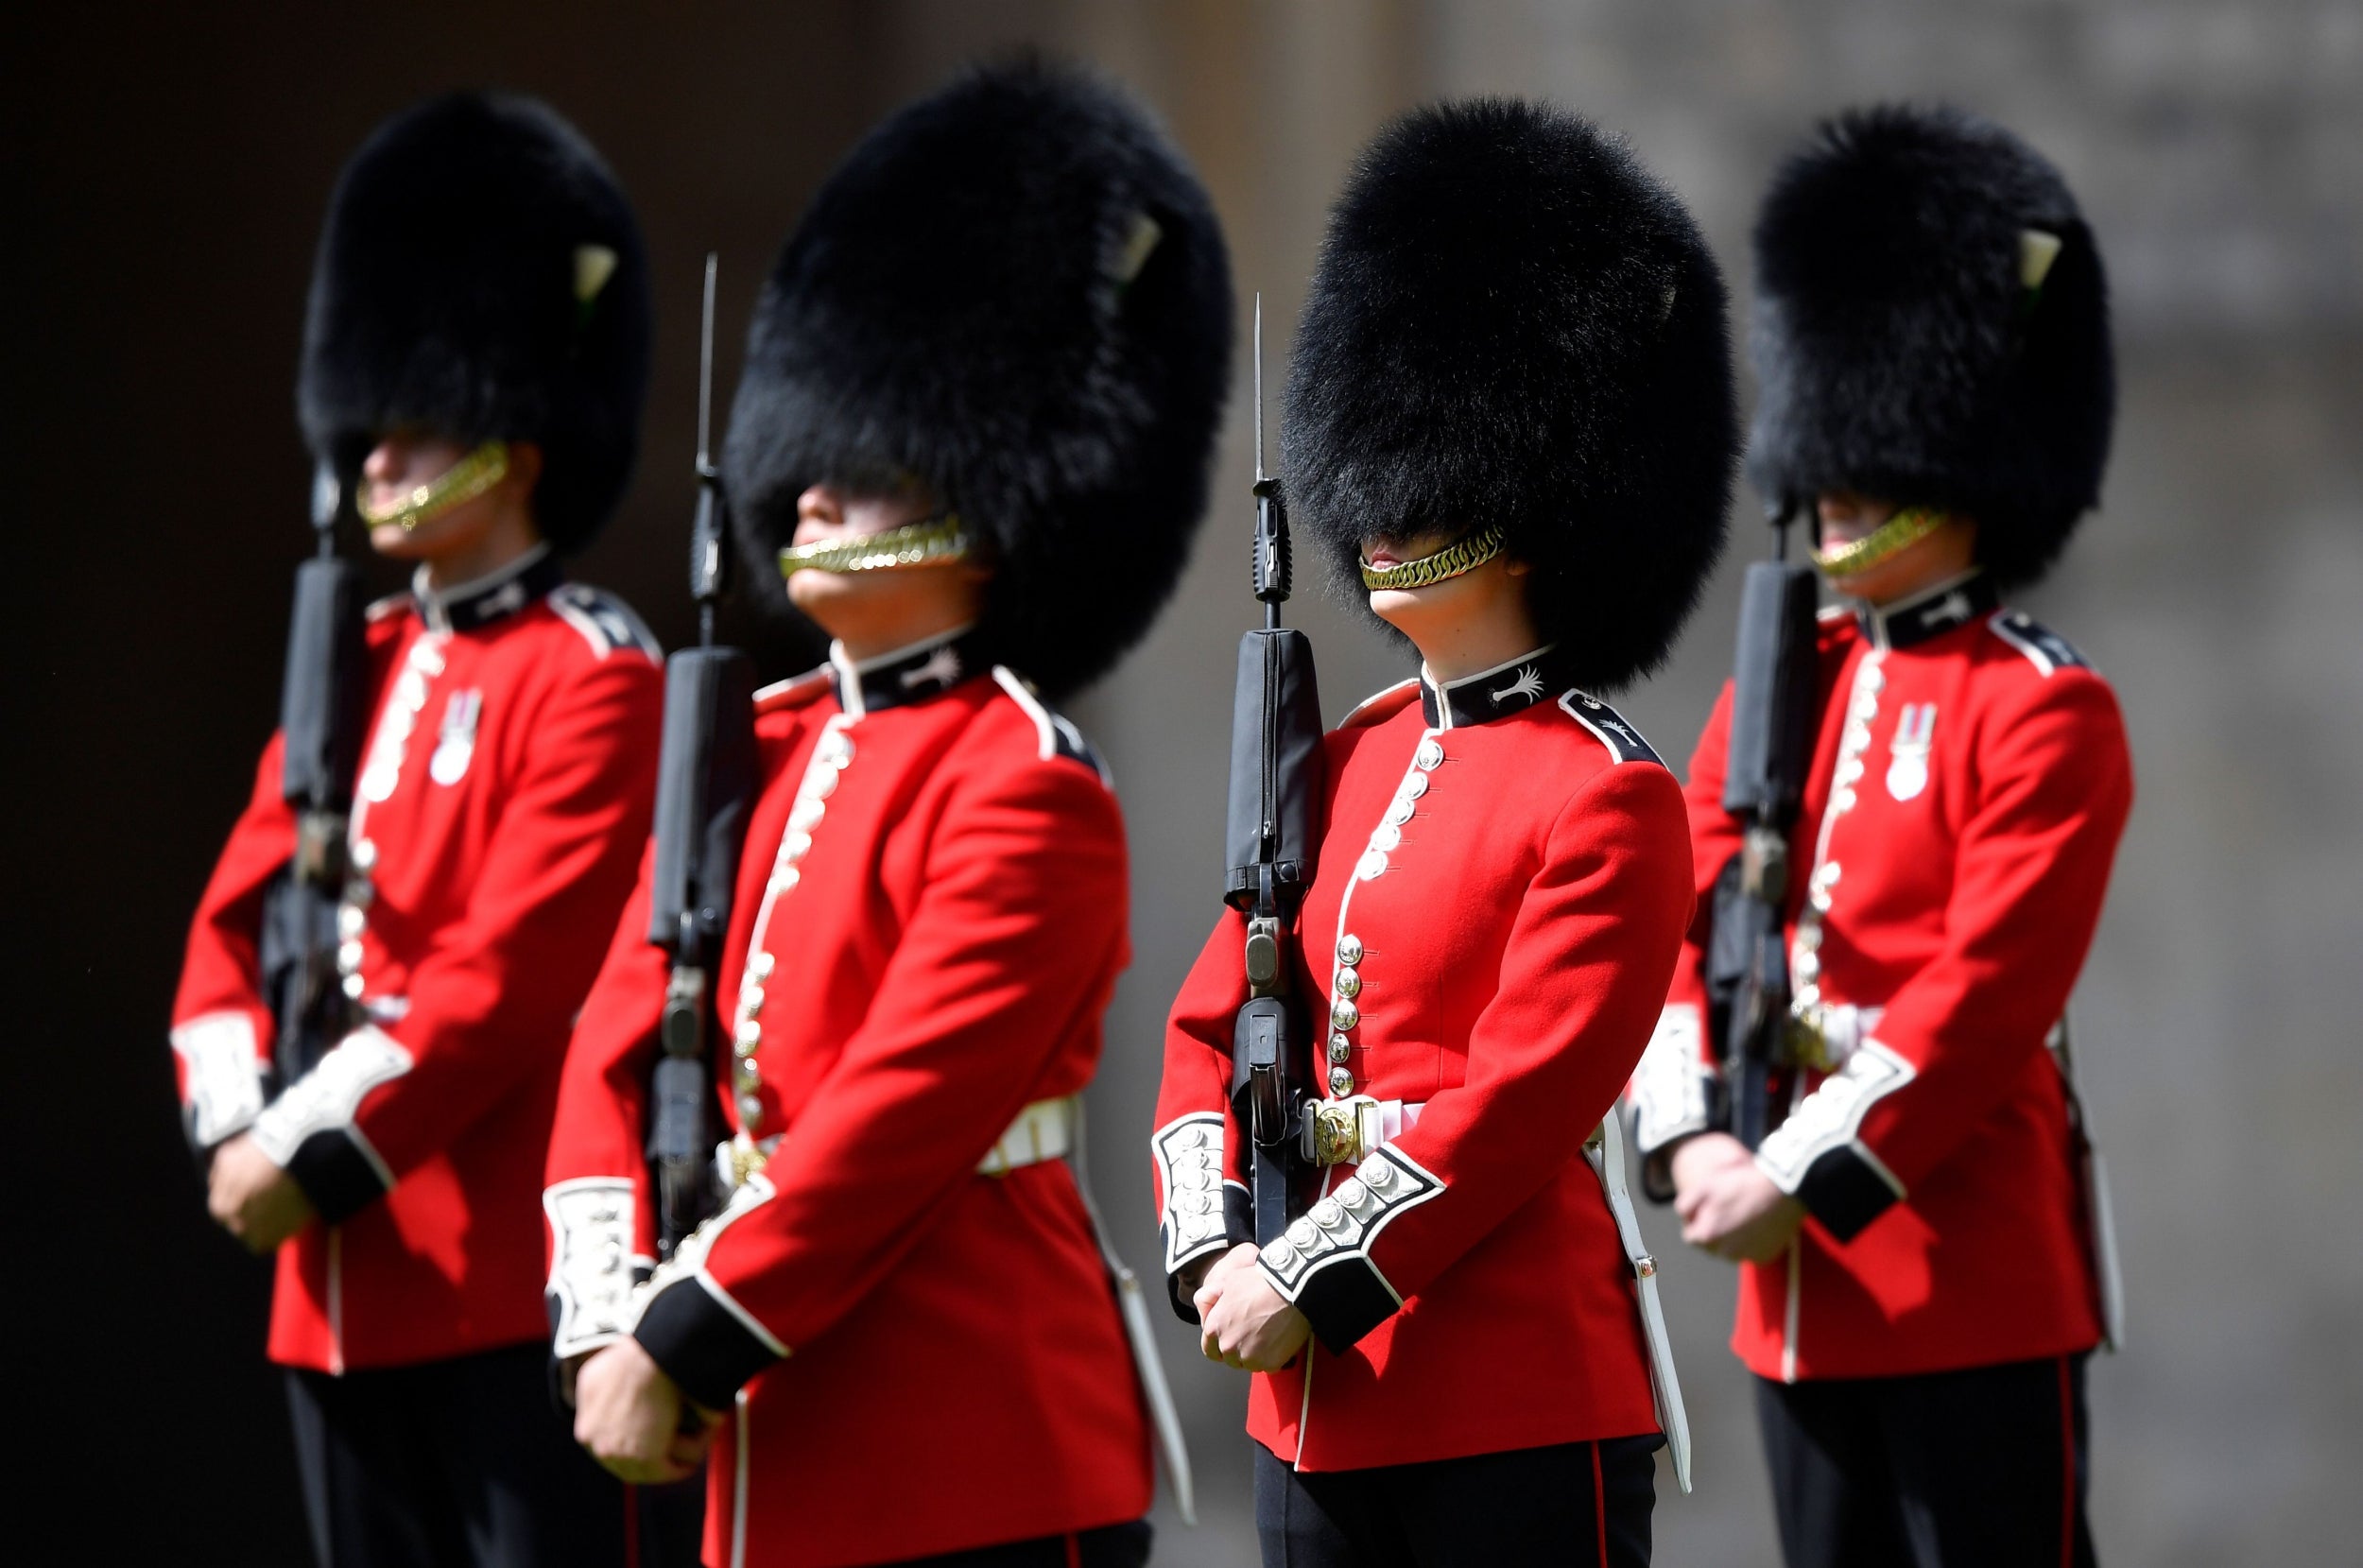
631, 1526
2067, 1466
1599, 1503
1074, 1550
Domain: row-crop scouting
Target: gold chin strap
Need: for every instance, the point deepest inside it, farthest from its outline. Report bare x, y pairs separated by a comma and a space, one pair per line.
457, 485
926, 542
1446, 563
1890, 539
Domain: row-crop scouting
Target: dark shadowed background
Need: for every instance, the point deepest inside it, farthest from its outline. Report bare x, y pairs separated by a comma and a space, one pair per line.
165, 170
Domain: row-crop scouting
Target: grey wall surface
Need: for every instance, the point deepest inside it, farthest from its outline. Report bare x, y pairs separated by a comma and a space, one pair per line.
169, 170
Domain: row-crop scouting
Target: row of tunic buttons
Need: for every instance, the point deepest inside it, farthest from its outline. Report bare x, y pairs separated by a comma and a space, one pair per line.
1804, 957
831, 756
1346, 984
387, 750
1341, 1219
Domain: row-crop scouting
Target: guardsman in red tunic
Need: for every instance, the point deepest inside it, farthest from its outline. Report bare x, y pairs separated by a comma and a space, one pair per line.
979, 401
1509, 427
1925, 1266
473, 370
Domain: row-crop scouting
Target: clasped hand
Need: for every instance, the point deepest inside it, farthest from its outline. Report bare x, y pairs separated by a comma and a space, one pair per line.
1243, 1321
1728, 1206
250, 1196
634, 1419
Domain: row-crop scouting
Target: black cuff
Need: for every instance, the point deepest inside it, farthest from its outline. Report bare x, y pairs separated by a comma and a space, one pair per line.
1845, 1192
1344, 1301
334, 1173
701, 1343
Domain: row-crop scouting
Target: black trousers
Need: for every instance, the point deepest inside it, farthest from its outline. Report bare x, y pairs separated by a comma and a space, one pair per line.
1111, 1546
463, 1463
1569, 1504
1978, 1469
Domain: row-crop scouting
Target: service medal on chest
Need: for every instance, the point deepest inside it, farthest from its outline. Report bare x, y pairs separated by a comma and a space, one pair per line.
456, 747
1907, 753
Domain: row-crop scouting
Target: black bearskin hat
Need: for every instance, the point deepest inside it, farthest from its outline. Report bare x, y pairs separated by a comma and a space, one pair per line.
1513, 323
1932, 328
1016, 291
480, 274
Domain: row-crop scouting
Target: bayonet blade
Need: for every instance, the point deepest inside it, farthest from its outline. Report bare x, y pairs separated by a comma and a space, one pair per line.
1259, 386
705, 372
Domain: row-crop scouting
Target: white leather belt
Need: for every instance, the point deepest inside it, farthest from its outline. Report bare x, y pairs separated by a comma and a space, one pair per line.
1044, 1132
1605, 1150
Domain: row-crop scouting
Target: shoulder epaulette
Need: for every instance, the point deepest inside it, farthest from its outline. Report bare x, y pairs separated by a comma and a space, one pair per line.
1382, 705
606, 622
1056, 734
794, 692
1623, 741
2044, 649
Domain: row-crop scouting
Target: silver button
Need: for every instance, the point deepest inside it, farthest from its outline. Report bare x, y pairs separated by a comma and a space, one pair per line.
1349, 949
746, 1077
377, 787
748, 1033
1809, 969
1873, 678
796, 845
1400, 812
807, 815
1302, 1233
1412, 787
354, 986
1188, 1137
1857, 735
1429, 754
1819, 899
1343, 1015
749, 1112
1849, 769
1327, 1214
1280, 1254
1377, 1174
786, 878
760, 966
1373, 867
1350, 1192
1843, 801
1826, 875
1386, 838
1340, 1081
1349, 982
351, 922
751, 1002
1808, 936
348, 957
365, 854
823, 786
745, 1048
1340, 1049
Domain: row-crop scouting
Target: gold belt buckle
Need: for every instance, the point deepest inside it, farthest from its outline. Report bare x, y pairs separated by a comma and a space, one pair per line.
1807, 1041
1345, 1131
747, 1158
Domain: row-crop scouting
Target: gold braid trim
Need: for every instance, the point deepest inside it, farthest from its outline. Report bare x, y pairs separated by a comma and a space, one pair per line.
921, 544
1450, 562
457, 485
1890, 539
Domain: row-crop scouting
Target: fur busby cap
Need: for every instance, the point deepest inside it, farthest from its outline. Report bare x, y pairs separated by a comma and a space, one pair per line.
1512, 322
481, 275
1932, 328
1016, 291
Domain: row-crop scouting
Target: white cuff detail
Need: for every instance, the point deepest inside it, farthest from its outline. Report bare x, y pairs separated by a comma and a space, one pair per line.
591, 1261
1344, 1224
224, 1075
1189, 1169
689, 1262
1669, 1087
327, 1098
1830, 1117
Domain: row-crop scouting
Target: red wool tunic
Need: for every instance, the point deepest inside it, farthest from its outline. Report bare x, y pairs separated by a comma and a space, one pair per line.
929, 921
505, 789
1502, 888
1970, 783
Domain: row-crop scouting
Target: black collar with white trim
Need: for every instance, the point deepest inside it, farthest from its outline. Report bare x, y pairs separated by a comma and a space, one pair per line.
492, 597
911, 674
1510, 687
1931, 612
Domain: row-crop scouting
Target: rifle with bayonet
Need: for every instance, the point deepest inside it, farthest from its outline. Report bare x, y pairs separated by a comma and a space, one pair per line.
322, 713
1275, 808
1774, 684
706, 782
